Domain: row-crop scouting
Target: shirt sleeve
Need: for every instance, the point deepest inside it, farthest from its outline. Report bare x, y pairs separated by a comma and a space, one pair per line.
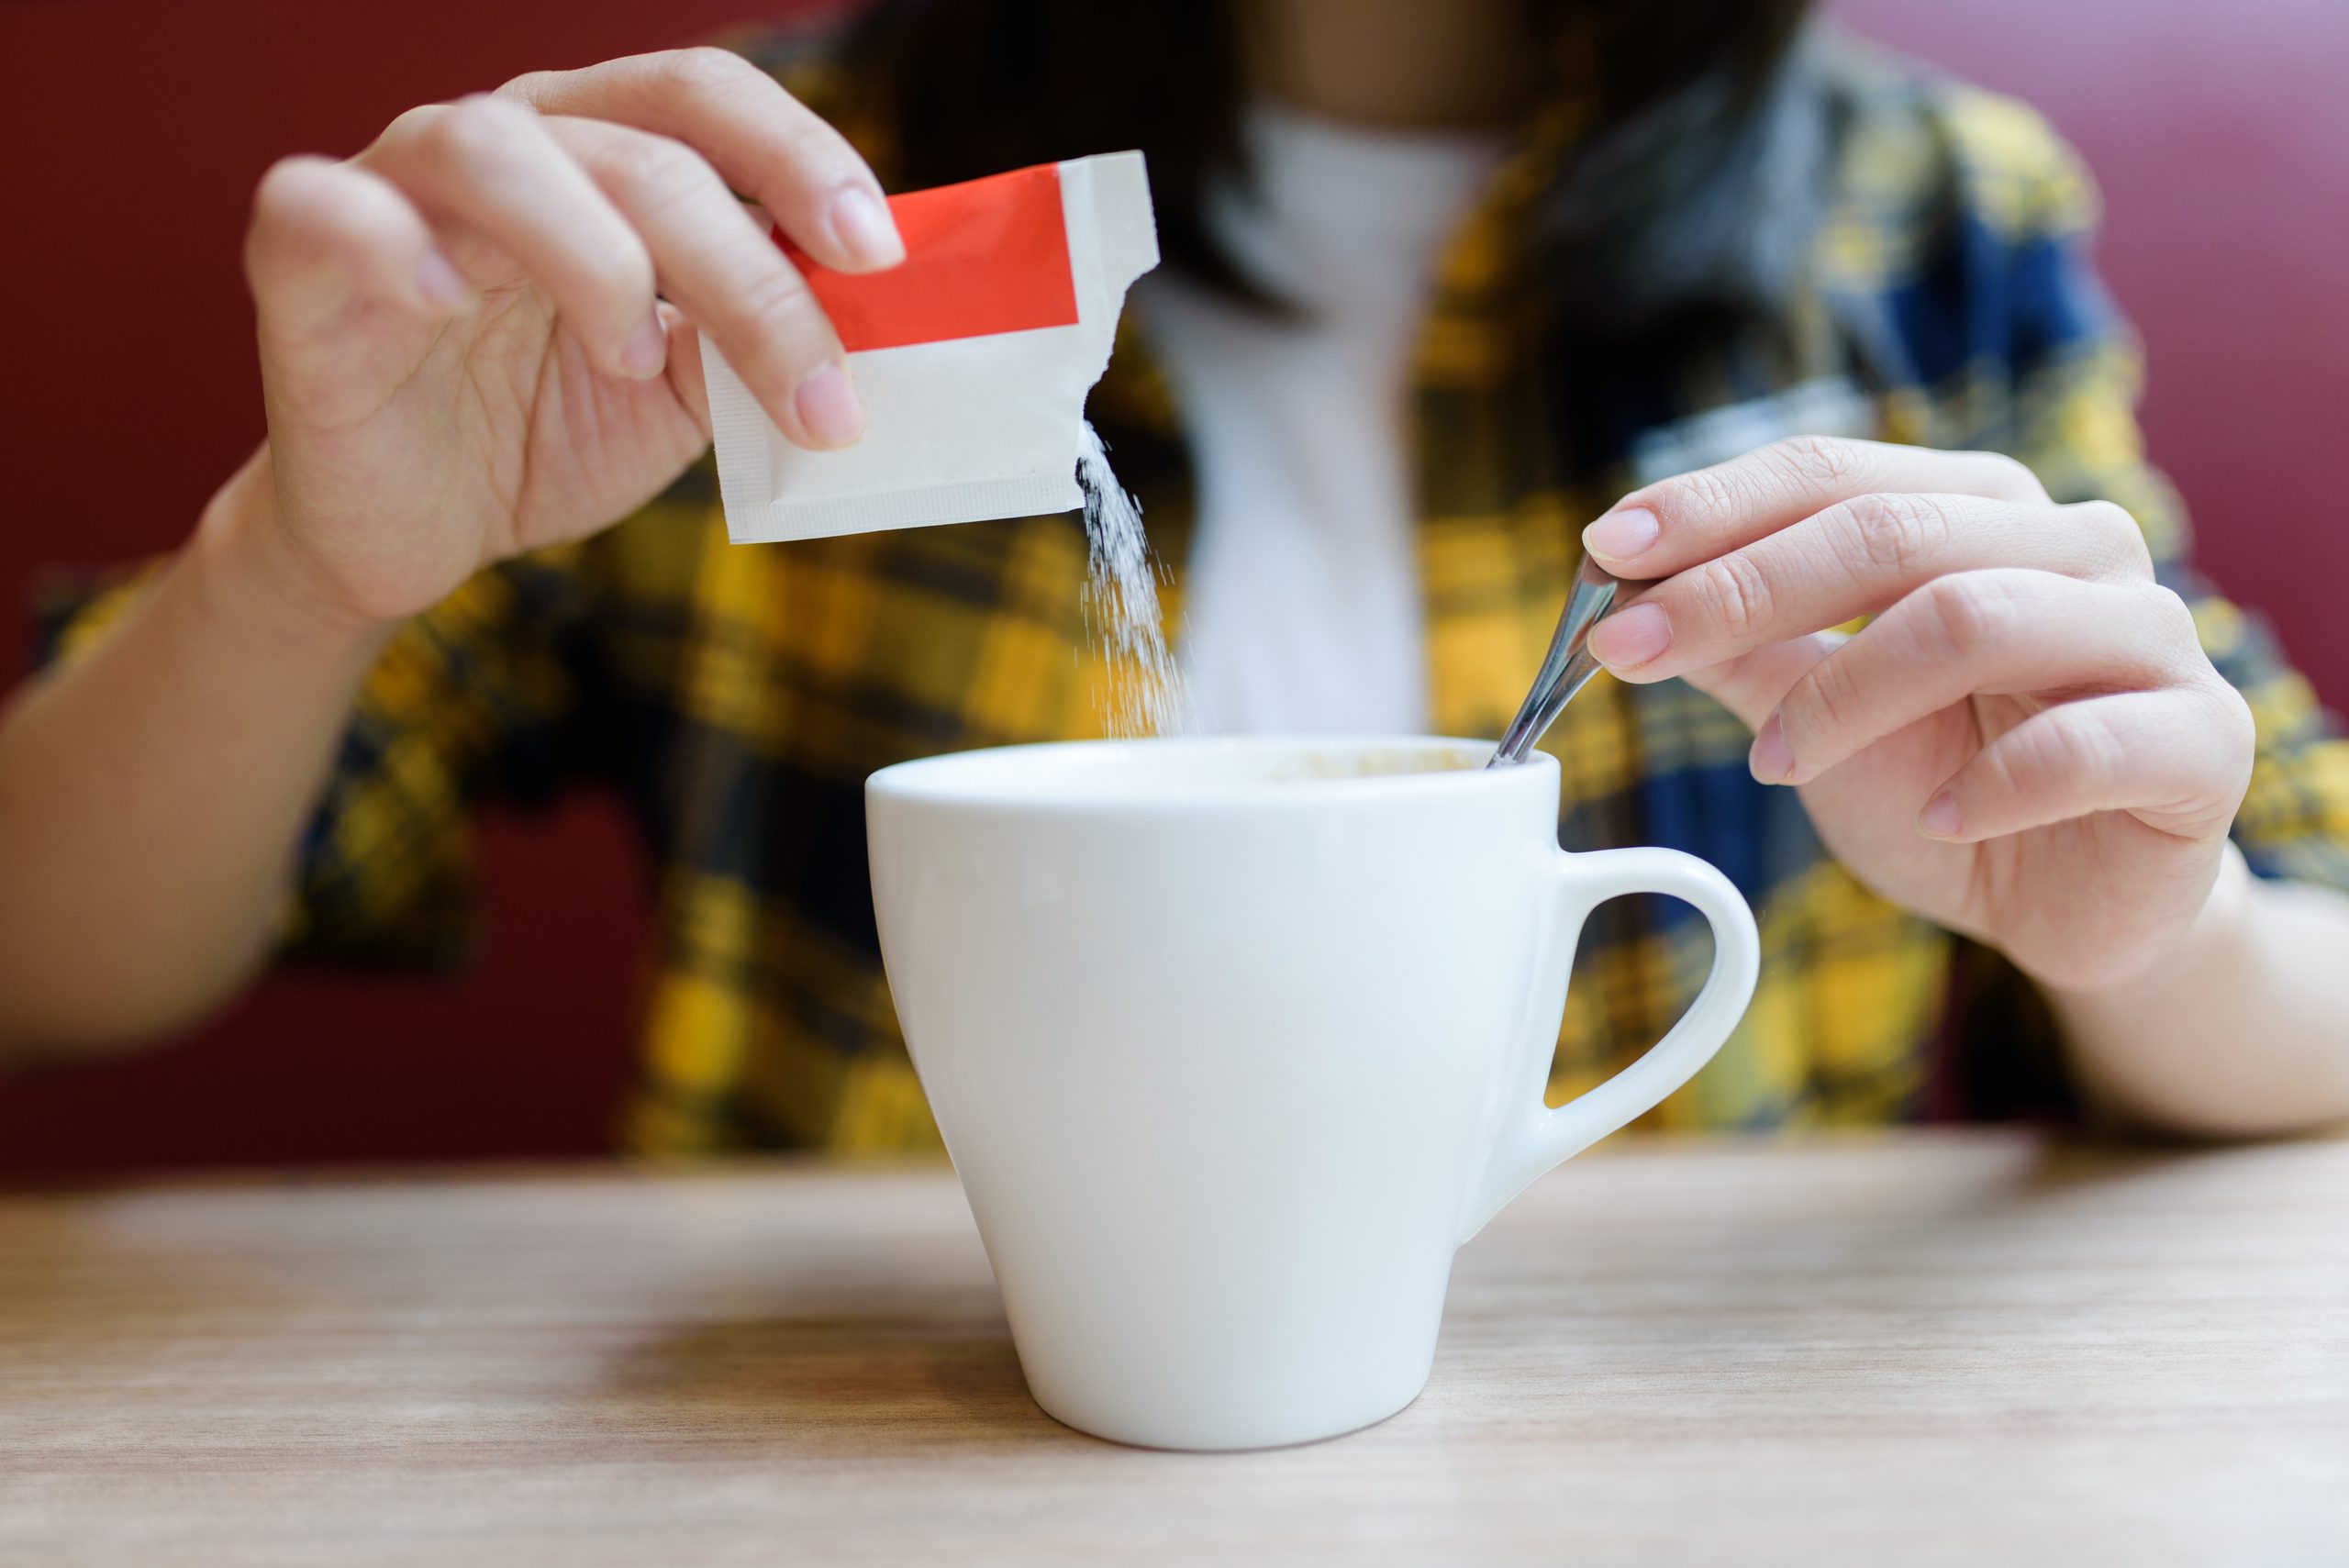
479, 700
2076, 378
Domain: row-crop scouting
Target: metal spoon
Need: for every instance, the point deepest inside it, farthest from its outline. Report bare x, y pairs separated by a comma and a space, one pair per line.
1567, 667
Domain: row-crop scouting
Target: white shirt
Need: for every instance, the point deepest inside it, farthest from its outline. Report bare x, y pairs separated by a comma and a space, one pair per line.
1302, 611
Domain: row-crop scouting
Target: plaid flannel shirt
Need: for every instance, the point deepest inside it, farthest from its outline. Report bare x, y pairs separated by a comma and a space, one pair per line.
738, 696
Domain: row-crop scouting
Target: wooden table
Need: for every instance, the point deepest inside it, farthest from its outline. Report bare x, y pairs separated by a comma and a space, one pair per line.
1897, 1349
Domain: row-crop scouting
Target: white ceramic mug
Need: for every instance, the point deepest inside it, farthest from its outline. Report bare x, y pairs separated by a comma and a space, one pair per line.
1234, 1043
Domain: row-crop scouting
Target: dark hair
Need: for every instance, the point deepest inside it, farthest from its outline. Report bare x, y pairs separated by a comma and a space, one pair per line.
1692, 183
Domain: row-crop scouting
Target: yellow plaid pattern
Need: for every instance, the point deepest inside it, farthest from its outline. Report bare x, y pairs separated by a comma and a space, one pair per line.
738, 696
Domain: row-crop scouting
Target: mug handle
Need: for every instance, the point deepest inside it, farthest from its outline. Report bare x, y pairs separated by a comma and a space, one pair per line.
1533, 1138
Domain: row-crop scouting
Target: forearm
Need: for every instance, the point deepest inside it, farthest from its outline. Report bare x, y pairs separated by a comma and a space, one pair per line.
2241, 1030
152, 795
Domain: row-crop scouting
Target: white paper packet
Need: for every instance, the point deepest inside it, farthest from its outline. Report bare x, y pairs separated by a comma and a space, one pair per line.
973, 358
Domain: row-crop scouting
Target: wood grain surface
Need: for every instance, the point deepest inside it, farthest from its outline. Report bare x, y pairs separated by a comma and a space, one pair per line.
1895, 1349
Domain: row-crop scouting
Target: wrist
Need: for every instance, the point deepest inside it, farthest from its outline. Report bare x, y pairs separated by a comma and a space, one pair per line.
247, 568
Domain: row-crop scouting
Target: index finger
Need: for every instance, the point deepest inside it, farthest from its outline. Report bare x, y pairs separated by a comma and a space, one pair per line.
767, 144
1677, 523
1854, 559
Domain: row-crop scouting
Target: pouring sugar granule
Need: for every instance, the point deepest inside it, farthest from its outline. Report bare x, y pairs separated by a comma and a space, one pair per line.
1147, 695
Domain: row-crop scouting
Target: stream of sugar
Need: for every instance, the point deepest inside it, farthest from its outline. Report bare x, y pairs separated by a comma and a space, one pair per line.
1147, 694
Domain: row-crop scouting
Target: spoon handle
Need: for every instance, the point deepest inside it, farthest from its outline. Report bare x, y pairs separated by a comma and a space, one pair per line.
1567, 668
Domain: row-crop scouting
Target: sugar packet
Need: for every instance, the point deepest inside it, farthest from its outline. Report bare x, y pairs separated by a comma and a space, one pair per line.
972, 357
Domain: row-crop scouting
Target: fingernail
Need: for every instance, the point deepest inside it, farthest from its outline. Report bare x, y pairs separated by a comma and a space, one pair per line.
1631, 637
1939, 819
647, 348
828, 408
861, 224
1772, 759
438, 280
1622, 536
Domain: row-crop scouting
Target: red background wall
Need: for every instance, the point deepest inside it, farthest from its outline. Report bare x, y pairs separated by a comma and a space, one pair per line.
133, 130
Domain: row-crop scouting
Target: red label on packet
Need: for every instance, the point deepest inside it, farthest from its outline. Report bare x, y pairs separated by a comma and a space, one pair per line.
983, 257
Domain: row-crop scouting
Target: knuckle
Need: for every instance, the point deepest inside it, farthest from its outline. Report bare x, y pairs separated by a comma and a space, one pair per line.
286, 185
704, 68
1824, 703
2227, 710
2233, 713
2009, 477
412, 127
2089, 748
1960, 613
470, 130
1704, 492
776, 295
2083, 749
650, 168
531, 89
2174, 618
301, 214
777, 316
2111, 526
2105, 517
1733, 594
1901, 533
1817, 462
482, 112
2027, 766
621, 273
